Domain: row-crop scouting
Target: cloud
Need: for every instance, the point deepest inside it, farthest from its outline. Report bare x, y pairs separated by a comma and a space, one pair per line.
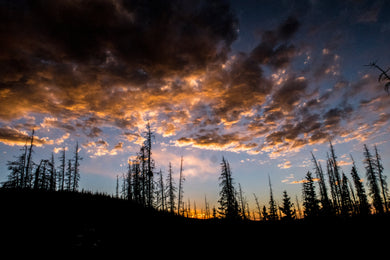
285, 165
11, 137
101, 148
86, 66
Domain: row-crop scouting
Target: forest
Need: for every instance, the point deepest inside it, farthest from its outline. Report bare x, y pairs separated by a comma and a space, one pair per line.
325, 193
42, 198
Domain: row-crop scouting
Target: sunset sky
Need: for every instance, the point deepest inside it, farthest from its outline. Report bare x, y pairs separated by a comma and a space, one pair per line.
262, 83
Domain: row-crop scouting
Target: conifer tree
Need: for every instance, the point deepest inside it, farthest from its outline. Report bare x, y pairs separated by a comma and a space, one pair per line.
265, 213
363, 205
61, 171
69, 176
273, 214
161, 191
148, 167
171, 196
310, 201
372, 179
53, 174
181, 191
287, 208
325, 202
228, 202
382, 178
257, 205
76, 170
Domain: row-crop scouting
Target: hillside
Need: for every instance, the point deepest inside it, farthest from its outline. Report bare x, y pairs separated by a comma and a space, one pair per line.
71, 220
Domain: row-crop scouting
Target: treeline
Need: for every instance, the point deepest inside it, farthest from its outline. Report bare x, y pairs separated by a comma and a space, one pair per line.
328, 194
25, 173
345, 197
148, 187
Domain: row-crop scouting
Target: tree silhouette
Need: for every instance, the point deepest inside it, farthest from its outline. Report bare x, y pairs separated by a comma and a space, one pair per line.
383, 76
372, 178
287, 209
171, 196
76, 170
61, 171
228, 202
382, 178
273, 214
325, 202
181, 191
363, 205
310, 201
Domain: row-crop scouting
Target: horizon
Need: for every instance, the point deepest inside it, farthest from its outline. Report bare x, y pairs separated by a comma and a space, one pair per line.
261, 83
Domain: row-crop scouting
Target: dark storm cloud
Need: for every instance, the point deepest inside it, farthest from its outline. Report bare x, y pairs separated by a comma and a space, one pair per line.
150, 37
274, 48
64, 56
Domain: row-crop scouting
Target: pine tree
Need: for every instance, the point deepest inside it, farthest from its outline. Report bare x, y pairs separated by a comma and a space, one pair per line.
69, 176
136, 175
228, 202
310, 201
382, 178
17, 168
29, 163
363, 205
242, 202
61, 171
273, 214
265, 213
53, 174
161, 191
287, 208
257, 206
181, 191
171, 196
325, 202
372, 179
76, 170
149, 167
347, 203
336, 177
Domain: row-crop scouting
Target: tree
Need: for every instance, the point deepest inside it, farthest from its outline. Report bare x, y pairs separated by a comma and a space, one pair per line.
61, 171
310, 201
383, 76
372, 179
242, 202
76, 170
347, 203
363, 206
287, 209
273, 214
69, 176
228, 202
149, 164
257, 205
265, 213
336, 182
180, 193
171, 190
53, 174
28, 172
17, 168
161, 192
325, 202
382, 178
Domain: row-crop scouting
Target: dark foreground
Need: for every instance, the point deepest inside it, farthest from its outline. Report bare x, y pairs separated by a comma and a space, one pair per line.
65, 220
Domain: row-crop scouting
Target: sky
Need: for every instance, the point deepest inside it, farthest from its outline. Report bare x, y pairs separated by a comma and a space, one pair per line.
262, 83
